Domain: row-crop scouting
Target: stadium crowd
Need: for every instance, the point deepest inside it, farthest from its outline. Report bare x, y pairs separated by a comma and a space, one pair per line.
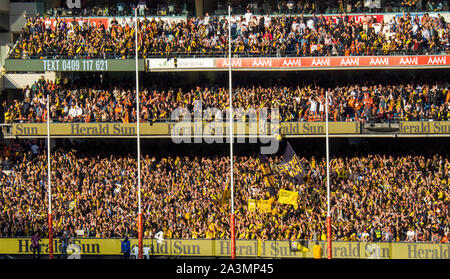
125, 8
121, 8
303, 102
251, 35
374, 197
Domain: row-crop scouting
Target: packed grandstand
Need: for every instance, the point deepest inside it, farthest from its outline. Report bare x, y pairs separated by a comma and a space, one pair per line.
404, 194
251, 35
383, 189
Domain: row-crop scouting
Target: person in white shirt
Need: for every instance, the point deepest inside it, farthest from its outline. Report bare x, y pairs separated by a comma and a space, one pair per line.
267, 20
206, 19
426, 34
313, 106
310, 24
80, 22
302, 26
72, 112
78, 111
233, 19
386, 31
377, 4
295, 26
365, 236
248, 15
376, 28
142, 6
368, 4
410, 235
48, 24
322, 106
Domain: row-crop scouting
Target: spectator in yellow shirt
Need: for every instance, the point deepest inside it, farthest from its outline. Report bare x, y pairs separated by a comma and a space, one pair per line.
317, 251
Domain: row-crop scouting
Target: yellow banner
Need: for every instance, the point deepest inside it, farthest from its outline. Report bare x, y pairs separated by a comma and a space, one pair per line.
88, 129
288, 197
318, 128
251, 205
244, 248
208, 129
424, 127
264, 206
180, 129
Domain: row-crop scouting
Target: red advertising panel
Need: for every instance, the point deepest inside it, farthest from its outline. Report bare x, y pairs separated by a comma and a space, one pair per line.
92, 21
334, 62
357, 18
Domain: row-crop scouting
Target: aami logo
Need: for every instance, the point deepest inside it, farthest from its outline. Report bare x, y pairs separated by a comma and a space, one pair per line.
379, 61
437, 60
292, 62
349, 62
234, 63
262, 63
320, 62
414, 60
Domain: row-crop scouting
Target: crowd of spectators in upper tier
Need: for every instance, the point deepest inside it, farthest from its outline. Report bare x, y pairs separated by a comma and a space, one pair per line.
181, 8
251, 35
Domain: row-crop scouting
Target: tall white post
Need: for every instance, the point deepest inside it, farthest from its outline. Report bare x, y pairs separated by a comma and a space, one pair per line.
140, 248
49, 190
233, 230
329, 253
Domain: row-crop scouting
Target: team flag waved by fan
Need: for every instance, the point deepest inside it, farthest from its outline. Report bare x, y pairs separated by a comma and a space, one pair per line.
251, 205
288, 197
299, 245
263, 206
226, 195
269, 178
291, 166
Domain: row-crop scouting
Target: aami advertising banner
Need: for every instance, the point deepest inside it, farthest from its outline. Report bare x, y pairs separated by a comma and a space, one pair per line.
299, 63
335, 62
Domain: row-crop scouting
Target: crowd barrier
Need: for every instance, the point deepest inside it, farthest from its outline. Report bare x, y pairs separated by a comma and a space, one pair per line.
244, 248
238, 63
220, 129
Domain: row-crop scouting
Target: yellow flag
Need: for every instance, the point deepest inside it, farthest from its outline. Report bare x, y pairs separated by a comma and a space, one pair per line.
288, 197
264, 206
299, 246
251, 205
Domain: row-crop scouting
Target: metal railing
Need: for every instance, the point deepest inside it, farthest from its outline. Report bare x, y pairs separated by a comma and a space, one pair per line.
7, 126
218, 54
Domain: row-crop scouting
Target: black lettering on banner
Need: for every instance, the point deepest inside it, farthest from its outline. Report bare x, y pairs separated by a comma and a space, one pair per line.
25, 130
24, 246
313, 129
290, 166
185, 249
